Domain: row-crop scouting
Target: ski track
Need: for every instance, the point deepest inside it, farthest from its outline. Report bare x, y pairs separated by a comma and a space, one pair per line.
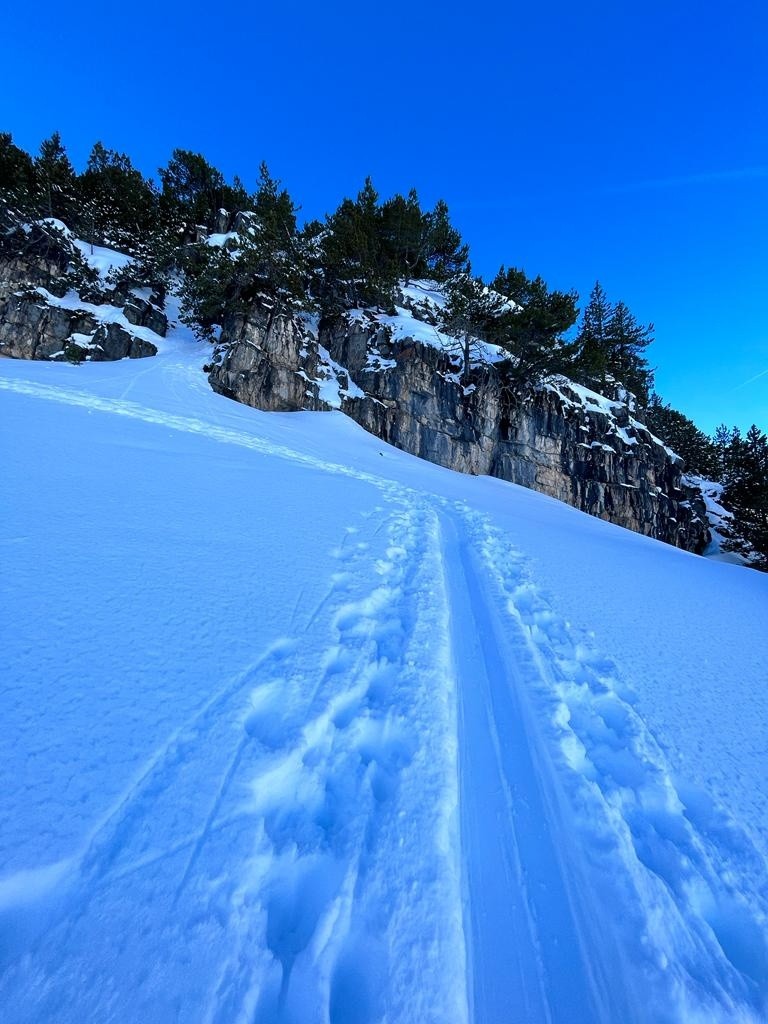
430, 738
692, 885
185, 424
530, 961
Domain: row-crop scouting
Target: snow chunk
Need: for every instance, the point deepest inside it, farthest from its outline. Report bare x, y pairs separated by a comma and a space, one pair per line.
334, 382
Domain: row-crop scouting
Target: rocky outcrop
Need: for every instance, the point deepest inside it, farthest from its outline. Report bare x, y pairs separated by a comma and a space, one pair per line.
267, 361
575, 446
35, 256
32, 328
39, 314
113, 341
143, 313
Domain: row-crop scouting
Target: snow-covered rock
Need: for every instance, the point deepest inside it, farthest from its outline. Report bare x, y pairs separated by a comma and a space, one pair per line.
42, 316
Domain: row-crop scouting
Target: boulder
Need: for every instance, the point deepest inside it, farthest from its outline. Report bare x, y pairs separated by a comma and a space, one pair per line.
145, 314
112, 341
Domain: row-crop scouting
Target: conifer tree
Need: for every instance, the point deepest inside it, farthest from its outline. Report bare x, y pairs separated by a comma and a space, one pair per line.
405, 235
626, 341
55, 177
532, 328
683, 437
356, 264
472, 313
745, 476
264, 265
118, 206
447, 255
592, 339
274, 209
17, 175
193, 191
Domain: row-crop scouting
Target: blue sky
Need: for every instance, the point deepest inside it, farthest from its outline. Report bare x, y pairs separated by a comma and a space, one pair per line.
613, 140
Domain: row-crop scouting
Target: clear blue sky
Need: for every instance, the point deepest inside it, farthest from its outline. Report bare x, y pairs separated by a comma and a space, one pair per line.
616, 140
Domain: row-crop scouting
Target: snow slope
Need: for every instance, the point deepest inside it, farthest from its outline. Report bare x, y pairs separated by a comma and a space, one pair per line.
298, 728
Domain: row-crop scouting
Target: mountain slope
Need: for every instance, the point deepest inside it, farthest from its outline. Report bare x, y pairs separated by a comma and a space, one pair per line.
301, 728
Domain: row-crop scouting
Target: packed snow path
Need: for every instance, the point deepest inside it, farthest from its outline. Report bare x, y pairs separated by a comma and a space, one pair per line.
297, 729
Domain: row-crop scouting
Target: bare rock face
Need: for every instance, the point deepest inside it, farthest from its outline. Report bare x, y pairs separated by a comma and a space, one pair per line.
112, 341
588, 453
30, 328
37, 264
145, 314
267, 361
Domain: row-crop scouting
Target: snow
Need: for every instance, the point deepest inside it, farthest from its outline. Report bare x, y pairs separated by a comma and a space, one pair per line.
102, 313
573, 394
719, 520
424, 293
403, 324
101, 259
334, 382
299, 728
218, 240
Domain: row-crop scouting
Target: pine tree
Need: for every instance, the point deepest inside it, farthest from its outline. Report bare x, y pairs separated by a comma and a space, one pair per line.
55, 177
611, 343
626, 341
193, 191
265, 265
274, 209
356, 265
683, 437
118, 206
591, 366
17, 175
532, 329
472, 313
405, 235
446, 254
744, 468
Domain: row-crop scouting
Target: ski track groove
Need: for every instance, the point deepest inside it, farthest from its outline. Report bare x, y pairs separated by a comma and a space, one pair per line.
327, 730
530, 959
675, 856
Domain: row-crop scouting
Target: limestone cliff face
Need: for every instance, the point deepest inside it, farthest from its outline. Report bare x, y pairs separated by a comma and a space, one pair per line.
267, 362
42, 317
562, 440
33, 328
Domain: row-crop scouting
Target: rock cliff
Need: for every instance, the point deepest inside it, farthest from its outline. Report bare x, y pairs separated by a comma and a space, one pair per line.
53, 305
568, 442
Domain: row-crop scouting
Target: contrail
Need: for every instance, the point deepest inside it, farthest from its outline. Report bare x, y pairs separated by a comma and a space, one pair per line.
751, 380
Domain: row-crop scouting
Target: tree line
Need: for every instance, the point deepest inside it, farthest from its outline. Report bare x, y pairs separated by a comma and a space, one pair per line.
737, 461
356, 257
